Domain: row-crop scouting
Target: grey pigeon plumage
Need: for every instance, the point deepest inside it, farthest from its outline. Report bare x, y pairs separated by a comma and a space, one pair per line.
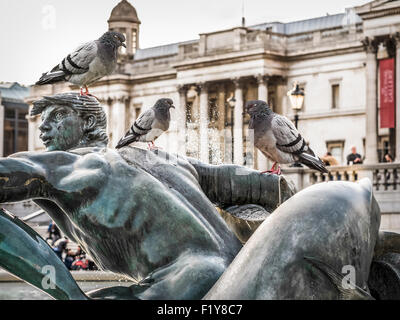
278, 139
150, 124
88, 63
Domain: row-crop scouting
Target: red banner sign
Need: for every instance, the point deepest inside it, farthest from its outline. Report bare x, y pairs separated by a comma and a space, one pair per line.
387, 93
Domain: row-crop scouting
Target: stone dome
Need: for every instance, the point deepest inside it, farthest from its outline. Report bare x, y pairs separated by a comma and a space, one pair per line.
124, 11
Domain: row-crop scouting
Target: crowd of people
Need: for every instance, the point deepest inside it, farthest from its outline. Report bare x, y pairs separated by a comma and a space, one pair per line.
352, 158
73, 259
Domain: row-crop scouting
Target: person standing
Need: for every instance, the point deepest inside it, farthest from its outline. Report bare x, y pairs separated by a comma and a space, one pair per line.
53, 232
388, 158
354, 157
329, 159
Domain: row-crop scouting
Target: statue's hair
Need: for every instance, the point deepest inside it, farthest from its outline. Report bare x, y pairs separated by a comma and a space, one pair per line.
84, 105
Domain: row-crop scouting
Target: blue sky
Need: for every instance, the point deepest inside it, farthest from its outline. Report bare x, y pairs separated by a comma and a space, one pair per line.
36, 34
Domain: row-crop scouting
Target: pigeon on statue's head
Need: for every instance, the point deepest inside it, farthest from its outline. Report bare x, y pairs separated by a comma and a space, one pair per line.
150, 124
278, 139
88, 63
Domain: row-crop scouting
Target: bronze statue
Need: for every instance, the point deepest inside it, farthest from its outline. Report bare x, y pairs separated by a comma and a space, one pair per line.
147, 215
151, 216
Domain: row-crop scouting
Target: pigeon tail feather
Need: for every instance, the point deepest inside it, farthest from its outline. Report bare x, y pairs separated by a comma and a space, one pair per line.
51, 77
312, 162
128, 139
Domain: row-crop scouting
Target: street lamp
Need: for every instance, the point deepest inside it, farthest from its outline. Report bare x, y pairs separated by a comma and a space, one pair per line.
231, 103
296, 97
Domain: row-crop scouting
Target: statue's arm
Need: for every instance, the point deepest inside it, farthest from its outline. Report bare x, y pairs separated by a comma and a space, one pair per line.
29, 175
229, 185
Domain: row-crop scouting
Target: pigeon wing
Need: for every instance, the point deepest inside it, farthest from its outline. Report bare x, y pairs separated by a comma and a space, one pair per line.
142, 125
288, 139
79, 60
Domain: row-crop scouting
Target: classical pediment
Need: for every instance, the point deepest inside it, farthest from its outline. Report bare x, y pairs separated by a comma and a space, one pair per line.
378, 8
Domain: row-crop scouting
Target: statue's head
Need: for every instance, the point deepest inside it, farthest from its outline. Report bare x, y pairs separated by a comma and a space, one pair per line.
71, 121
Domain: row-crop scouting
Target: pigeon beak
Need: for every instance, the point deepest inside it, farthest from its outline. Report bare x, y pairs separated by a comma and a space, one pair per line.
123, 44
172, 106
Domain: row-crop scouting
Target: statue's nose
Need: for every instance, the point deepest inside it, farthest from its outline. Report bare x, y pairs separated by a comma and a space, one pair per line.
44, 127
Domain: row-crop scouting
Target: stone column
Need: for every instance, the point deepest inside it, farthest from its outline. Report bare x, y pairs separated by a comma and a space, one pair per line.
371, 145
118, 117
31, 130
262, 81
397, 112
238, 124
262, 162
203, 122
221, 119
181, 120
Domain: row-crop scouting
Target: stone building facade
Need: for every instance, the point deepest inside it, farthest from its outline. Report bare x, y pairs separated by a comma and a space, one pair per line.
13, 118
334, 59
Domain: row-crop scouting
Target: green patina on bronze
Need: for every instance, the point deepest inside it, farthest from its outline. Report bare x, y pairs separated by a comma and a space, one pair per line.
148, 215
151, 216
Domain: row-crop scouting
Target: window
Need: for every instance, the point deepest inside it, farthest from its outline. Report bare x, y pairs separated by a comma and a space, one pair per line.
228, 115
15, 131
122, 50
336, 149
189, 112
212, 111
137, 112
383, 147
335, 96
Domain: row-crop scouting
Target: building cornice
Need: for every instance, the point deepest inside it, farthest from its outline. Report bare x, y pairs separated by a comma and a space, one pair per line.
377, 9
154, 76
325, 53
218, 59
329, 114
380, 13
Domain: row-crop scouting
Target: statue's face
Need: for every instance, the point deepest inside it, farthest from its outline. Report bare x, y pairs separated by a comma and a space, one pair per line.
62, 128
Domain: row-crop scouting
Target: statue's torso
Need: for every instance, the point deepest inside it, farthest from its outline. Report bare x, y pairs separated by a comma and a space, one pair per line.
134, 215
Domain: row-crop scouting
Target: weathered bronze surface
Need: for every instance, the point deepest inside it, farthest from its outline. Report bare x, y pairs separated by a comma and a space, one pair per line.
147, 215
151, 216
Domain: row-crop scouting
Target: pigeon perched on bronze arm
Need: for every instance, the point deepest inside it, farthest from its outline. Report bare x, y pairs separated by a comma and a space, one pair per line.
278, 139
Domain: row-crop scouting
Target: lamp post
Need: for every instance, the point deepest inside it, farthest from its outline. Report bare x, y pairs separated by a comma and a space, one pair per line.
232, 102
296, 97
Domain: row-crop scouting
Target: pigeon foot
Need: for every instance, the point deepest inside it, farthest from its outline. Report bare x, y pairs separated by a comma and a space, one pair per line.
86, 93
152, 146
273, 170
277, 171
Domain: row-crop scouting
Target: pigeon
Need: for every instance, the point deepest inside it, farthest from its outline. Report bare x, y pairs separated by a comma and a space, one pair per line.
150, 124
278, 139
88, 63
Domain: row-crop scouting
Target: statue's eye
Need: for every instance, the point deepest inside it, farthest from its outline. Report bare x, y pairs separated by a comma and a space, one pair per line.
58, 116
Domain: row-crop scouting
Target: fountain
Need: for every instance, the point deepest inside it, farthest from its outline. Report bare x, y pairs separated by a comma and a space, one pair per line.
152, 217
